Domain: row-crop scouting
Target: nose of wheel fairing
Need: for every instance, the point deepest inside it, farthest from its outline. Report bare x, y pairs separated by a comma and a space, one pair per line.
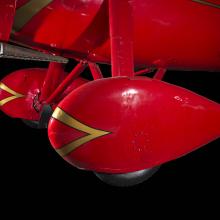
121, 124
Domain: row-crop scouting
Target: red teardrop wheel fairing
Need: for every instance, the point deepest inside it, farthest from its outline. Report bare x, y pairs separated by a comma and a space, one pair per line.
120, 125
20, 93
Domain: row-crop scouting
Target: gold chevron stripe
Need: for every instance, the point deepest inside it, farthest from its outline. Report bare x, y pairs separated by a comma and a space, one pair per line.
14, 94
207, 3
68, 120
26, 12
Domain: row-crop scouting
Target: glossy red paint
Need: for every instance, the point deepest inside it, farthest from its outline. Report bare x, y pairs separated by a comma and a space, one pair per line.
21, 3
160, 73
95, 71
7, 11
150, 122
121, 37
64, 27
74, 85
78, 69
171, 34
27, 82
55, 75
30, 83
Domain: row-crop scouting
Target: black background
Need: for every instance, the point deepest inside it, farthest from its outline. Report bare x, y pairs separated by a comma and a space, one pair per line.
31, 169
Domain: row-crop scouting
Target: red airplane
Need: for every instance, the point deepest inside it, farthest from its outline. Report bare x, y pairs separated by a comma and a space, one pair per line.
125, 126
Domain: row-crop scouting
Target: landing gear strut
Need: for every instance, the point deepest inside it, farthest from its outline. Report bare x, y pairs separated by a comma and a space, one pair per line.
44, 119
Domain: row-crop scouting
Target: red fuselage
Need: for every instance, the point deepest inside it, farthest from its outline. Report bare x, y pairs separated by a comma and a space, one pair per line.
182, 34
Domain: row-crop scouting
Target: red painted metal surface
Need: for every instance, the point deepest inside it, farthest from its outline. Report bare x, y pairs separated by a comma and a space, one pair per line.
143, 71
55, 75
7, 11
95, 71
150, 122
21, 3
143, 122
67, 26
73, 85
160, 73
170, 34
79, 68
121, 37
29, 83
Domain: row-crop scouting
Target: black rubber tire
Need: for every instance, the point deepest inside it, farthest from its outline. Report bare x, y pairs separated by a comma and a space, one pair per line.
127, 179
31, 124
